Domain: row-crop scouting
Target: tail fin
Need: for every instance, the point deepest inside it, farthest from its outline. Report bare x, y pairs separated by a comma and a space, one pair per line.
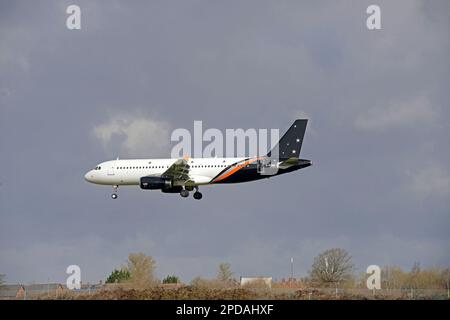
290, 144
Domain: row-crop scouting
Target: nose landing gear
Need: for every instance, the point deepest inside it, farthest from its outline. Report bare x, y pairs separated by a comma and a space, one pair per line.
114, 194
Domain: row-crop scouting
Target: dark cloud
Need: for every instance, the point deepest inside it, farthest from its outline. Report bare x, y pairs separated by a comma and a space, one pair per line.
377, 100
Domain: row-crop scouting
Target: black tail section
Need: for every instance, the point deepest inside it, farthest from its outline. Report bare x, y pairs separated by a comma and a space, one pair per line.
290, 144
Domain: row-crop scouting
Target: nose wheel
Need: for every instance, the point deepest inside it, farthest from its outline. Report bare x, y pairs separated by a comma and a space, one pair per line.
114, 194
184, 193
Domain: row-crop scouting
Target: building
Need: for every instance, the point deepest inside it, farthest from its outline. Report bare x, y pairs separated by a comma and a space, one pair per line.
249, 281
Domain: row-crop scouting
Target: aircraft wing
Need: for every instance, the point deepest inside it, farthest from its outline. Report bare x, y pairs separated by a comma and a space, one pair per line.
178, 171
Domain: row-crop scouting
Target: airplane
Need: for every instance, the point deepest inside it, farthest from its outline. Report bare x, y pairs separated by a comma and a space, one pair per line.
186, 174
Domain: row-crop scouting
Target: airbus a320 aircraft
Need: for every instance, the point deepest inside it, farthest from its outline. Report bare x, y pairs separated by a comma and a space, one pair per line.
184, 175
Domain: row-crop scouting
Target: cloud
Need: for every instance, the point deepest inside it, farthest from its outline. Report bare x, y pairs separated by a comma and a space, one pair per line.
134, 135
273, 62
91, 252
413, 112
300, 114
430, 180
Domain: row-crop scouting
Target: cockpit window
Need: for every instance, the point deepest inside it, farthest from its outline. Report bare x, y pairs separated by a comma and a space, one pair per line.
98, 168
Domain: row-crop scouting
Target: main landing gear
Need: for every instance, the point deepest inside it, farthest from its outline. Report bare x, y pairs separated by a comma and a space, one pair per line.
114, 194
184, 193
197, 194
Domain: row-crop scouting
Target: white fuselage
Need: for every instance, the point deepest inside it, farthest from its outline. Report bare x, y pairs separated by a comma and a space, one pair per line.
129, 172
185, 175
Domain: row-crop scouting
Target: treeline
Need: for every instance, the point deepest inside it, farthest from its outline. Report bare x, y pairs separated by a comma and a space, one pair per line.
333, 268
392, 277
139, 272
417, 278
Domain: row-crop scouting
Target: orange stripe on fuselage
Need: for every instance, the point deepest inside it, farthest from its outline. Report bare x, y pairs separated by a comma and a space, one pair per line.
234, 170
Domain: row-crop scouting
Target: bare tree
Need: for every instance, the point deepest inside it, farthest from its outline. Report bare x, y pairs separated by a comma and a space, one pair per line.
393, 277
142, 269
332, 267
225, 273
414, 275
446, 280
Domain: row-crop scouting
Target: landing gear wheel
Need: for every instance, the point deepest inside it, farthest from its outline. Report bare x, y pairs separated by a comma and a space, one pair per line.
184, 193
197, 195
115, 188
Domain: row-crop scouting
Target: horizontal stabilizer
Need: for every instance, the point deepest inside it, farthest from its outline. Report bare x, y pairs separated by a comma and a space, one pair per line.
288, 163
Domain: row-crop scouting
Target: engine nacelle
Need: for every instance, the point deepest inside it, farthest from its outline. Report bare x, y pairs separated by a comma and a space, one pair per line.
154, 183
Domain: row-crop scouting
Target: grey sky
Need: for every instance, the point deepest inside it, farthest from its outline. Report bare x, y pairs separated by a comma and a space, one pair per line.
378, 135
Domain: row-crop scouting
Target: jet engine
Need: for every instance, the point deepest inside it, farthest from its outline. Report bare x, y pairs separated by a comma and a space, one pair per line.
154, 183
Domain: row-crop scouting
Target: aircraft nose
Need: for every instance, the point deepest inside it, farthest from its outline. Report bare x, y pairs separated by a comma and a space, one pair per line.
89, 176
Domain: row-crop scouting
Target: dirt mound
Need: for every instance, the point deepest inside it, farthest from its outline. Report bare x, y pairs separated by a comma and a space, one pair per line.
181, 293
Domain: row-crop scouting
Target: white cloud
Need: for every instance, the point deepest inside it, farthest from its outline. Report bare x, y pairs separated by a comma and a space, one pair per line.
134, 135
414, 112
430, 180
44, 261
300, 114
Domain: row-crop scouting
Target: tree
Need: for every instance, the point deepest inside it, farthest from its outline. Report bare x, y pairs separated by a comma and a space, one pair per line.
118, 276
171, 279
332, 267
446, 280
393, 277
2, 277
414, 275
142, 269
225, 273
